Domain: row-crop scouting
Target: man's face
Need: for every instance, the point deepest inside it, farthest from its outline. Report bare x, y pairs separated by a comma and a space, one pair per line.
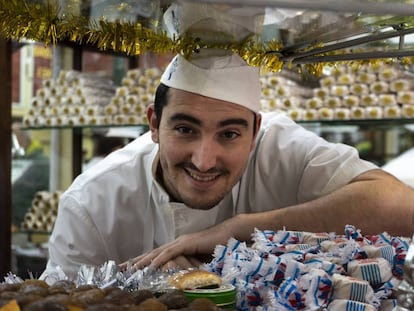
204, 147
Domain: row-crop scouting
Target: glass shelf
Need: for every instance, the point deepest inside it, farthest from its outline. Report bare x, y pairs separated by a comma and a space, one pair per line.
377, 123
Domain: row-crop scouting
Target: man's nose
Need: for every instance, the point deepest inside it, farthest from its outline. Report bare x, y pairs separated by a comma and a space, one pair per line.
205, 154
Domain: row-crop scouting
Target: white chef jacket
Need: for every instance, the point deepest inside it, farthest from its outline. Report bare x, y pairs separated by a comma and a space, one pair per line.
117, 210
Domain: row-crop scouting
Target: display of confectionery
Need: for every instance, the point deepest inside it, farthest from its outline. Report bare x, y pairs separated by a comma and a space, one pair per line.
380, 91
74, 98
281, 270
42, 213
87, 99
130, 101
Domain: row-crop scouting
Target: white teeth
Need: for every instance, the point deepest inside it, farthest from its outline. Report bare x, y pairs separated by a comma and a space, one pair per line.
196, 177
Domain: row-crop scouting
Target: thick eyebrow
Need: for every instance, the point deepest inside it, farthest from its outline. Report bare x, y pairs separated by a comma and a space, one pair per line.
232, 121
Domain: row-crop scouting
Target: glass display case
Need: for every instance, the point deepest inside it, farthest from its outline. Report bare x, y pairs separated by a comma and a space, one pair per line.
301, 41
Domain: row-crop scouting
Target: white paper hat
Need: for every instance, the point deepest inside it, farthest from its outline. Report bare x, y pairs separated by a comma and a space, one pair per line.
225, 77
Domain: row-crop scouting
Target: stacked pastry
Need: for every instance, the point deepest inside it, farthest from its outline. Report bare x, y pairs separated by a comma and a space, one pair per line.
41, 215
73, 99
282, 95
128, 105
372, 91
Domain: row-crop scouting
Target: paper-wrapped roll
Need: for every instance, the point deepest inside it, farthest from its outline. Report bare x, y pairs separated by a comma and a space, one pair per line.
137, 90
342, 113
273, 81
51, 121
138, 109
345, 79
152, 73
62, 120
128, 82
326, 113
66, 110
281, 91
358, 113
350, 101
328, 81
122, 91
392, 112
407, 111
310, 114
110, 109
145, 98
290, 102
379, 87
131, 119
374, 112
296, 114
359, 89
42, 93
268, 92
269, 104
332, 102
339, 90
400, 85
313, 103
39, 121
132, 99
133, 73
405, 98
78, 110
321, 92
142, 119
93, 110
387, 100
125, 108
117, 101
387, 74
83, 120
366, 77
53, 111
368, 100
119, 119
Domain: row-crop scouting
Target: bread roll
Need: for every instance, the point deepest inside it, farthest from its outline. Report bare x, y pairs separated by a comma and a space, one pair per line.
196, 279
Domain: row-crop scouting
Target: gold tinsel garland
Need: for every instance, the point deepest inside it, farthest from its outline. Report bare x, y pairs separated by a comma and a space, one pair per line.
44, 22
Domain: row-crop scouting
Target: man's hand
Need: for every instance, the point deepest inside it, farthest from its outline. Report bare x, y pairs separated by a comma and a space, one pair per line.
184, 252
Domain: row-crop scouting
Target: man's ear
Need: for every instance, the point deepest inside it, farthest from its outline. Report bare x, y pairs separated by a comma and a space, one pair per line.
152, 122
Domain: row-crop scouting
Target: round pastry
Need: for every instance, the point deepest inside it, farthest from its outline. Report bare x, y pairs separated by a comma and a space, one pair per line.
196, 279
174, 300
203, 304
152, 304
141, 295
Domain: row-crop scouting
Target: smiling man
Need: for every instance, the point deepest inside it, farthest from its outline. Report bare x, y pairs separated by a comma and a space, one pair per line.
213, 167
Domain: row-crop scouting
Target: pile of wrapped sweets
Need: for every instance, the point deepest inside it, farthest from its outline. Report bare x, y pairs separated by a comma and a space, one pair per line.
282, 270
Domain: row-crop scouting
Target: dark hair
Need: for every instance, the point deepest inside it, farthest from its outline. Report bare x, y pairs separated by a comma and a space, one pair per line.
161, 100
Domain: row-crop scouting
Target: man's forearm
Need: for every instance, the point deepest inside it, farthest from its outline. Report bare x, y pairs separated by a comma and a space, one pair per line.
374, 202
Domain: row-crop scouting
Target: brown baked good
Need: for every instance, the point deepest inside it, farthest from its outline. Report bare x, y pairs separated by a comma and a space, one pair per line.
196, 279
174, 300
